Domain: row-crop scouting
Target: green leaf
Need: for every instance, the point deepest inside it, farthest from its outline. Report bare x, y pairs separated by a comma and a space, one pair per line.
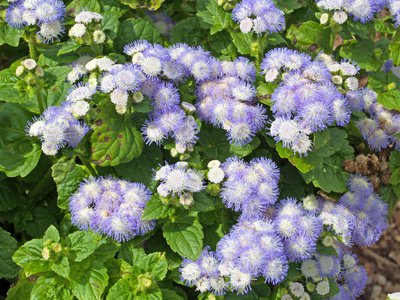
155, 209
50, 288
394, 49
10, 35
311, 33
29, 256
185, 237
171, 295
10, 195
141, 170
88, 284
149, 4
61, 267
8, 269
21, 290
300, 163
203, 202
155, 263
135, 29
242, 41
331, 148
213, 15
114, 139
68, 47
67, 175
390, 99
362, 51
74, 6
187, 31
245, 150
122, 290
83, 244
51, 234
19, 154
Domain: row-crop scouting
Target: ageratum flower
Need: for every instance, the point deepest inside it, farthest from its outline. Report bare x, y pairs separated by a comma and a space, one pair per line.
250, 188
361, 10
112, 207
57, 128
47, 14
394, 7
178, 179
380, 125
306, 101
259, 16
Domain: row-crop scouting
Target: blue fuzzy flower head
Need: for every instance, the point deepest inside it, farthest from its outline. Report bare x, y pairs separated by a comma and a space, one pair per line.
47, 14
112, 207
178, 180
370, 212
361, 10
258, 16
56, 128
250, 188
380, 125
306, 100
394, 7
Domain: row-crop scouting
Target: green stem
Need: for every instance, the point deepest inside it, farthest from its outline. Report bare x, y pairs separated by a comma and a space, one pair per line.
43, 187
39, 98
88, 165
32, 46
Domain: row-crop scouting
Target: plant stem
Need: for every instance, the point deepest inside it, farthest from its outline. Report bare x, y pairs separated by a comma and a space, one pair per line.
32, 46
42, 188
39, 98
88, 165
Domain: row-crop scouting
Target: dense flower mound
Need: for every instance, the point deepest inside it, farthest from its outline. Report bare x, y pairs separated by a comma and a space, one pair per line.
380, 125
361, 10
87, 28
259, 16
250, 188
56, 128
112, 207
47, 14
306, 100
178, 179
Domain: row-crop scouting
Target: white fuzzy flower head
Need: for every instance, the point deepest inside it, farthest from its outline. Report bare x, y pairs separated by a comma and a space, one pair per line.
286, 297
296, 288
86, 17
29, 63
104, 63
77, 31
340, 16
348, 261
91, 65
80, 108
151, 65
239, 281
215, 175
186, 199
50, 31
271, 75
36, 129
327, 241
99, 37
180, 148
310, 203
337, 79
49, 148
29, 17
305, 296
246, 25
188, 107
324, 18
119, 97
190, 272
309, 268
322, 288
154, 133
19, 70
352, 83
213, 164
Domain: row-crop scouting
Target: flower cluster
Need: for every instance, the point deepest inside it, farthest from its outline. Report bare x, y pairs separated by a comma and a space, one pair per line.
179, 180
306, 101
112, 207
361, 10
258, 16
87, 28
250, 188
394, 7
47, 14
381, 125
57, 128
29, 65
162, 21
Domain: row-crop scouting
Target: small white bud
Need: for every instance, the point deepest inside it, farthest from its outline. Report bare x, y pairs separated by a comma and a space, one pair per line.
322, 288
91, 65
174, 153
213, 164
215, 175
188, 107
29, 63
77, 31
180, 148
327, 241
186, 199
19, 70
137, 97
324, 18
99, 37
340, 16
338, 80
352, 83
